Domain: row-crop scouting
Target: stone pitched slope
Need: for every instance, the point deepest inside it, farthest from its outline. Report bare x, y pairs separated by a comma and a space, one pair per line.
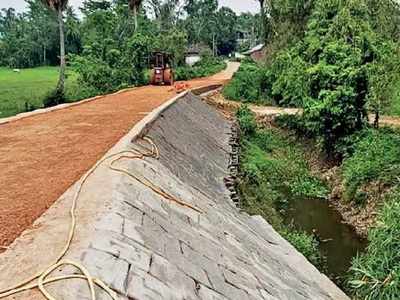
147, 247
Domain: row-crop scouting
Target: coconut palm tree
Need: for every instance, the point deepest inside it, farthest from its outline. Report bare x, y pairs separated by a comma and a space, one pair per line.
134, 6
59, 6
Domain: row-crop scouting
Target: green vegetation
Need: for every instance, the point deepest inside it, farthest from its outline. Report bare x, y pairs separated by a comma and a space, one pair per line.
31, 38
275, 172
375, 159
338, 60
394, 106
306, 244
209, 65
376, 274
370, 173
341, 65
19, 91
28, 89
24, 91
106, 67
246, 84
110, 47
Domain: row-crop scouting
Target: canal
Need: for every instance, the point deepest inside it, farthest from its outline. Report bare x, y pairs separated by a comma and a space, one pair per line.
338, 242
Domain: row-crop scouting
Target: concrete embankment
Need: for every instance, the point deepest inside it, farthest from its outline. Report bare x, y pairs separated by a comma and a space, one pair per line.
179, 236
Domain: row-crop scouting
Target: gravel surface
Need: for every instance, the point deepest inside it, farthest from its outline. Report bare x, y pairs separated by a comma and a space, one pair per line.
42, 155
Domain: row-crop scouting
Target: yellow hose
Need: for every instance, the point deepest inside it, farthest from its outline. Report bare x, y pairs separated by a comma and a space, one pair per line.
41, 276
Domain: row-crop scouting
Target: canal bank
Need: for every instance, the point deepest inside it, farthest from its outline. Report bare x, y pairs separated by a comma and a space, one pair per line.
278, 182
155, 220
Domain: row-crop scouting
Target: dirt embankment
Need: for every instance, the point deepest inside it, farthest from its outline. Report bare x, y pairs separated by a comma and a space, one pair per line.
360, 218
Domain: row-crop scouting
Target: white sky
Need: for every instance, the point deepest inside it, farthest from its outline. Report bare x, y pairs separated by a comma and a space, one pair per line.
236, 5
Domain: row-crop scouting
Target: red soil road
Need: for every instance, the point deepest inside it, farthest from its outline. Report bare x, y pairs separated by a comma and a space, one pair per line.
42, 155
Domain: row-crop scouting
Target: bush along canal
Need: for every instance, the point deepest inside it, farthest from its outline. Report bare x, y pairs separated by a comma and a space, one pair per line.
277, 183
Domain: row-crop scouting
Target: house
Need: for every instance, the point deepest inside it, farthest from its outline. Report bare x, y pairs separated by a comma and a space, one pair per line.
243, 37
194, 52
192, 55
257, 53
239, 56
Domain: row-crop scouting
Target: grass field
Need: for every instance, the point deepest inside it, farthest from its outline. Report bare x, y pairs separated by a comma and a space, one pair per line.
27, 88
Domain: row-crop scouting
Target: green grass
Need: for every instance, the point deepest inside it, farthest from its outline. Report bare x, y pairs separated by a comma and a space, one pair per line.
375, 160
24, 91
274, 172
29, 87
206, 67
375, 275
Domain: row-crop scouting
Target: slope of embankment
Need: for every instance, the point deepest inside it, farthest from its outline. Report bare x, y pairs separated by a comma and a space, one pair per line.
165, 227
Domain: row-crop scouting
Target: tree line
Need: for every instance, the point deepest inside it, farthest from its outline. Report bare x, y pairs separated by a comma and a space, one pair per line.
110, 42
337, 59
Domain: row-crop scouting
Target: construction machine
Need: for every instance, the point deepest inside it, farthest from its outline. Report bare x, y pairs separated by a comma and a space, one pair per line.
161, 72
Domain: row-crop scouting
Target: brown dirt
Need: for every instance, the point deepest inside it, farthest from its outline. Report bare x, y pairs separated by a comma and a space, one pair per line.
387, 120
42, 155
270, 112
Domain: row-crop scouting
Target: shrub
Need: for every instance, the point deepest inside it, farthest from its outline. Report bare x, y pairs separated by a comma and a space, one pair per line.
394, 105
173, 42
276, 161
103, 68
336, 72
339, 68
207, 66
246, 120
376, 158
54, 98
376, 273
97, 74
305, 243
245, 85
288, 85
274, 172
272, 158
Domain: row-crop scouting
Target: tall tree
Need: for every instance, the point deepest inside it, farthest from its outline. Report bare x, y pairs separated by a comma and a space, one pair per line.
42, 31
226, 30
90, 6
263, 20
134, 6
73, 40
166, 12
249, 28
200, 22
59, 6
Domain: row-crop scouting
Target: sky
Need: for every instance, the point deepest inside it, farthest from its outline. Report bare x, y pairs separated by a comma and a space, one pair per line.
236, 5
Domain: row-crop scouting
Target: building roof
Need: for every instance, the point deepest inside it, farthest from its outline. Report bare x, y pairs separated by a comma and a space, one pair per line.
259, 47
196, 48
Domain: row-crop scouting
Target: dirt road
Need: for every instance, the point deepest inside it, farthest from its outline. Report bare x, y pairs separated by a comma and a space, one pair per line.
273, 111
42, 155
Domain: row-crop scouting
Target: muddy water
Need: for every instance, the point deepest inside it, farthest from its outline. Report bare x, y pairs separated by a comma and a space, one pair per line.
338, 242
